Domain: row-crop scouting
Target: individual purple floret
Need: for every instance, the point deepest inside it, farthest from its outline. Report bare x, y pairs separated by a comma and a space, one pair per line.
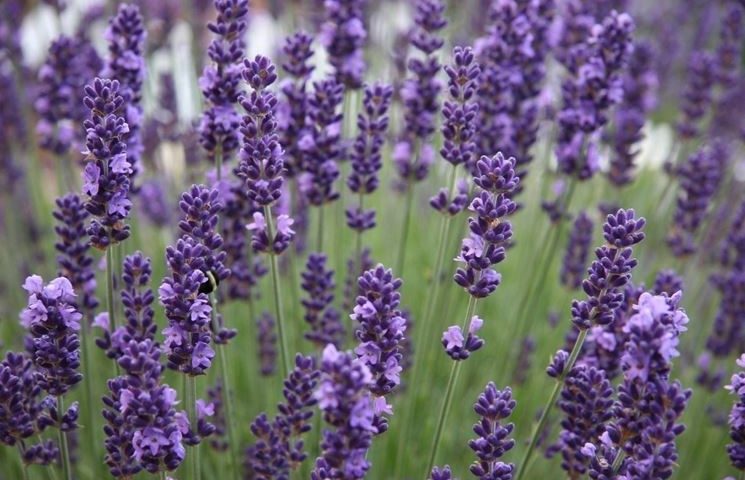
220, 82
74, 260
443, 473
736, 449
610, 272
71, 62
322, 318
366, 154
697, 96
594, 85
349, 409
413, 153
649, 404
512, 55
126, 63
24, 413
321, 143
667, 281
137, 299
53, 320
578, 249
490, 233
343, 34
459, 126
700, 176
106, 174
380, 331
493, 406
267, 340
279, 447
297, 52
187, 336
459, 347
586, 400
639, 98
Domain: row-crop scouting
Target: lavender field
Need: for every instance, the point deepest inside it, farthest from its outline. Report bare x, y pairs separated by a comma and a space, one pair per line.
383, 239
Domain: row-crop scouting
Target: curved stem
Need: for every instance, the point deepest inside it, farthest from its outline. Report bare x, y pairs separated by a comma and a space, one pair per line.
405, 230
195, 472
284, 353
448, 400
523, 466
222, 366
64, 449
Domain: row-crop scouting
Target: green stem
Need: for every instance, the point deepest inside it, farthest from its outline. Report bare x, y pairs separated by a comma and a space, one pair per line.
195, 472
222, 366
218, 161
523, 466
87, 380
405, 230
24, 467
110, 286
319, 238
284, 353
452, 382
618, 461
64, 450
162, 475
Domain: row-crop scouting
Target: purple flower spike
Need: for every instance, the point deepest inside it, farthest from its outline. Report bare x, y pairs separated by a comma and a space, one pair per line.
610, 272
267, 340
25, 413
106, 174
344, 398
490, 233
493, 406
53, 320
594, 86
512, 55
188, 335
70, 64
220, 82
200, 207
381, 328
126, 36
667, 281
729, 49
74, 261
459, 113
324, 320
701, 177
343, 34
260, 161
297, 51
578, 249
413, 153
279, 447
366, 154
649, 404
736, 449
639, 90
697, 96
321, 143
586, 400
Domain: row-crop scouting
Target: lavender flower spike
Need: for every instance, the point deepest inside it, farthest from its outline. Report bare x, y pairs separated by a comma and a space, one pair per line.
322, 318
578, 249
736, 449
106, 174
126, 36
366, 155
413, 155
493, 406
218, 128
343, 34
348, 407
